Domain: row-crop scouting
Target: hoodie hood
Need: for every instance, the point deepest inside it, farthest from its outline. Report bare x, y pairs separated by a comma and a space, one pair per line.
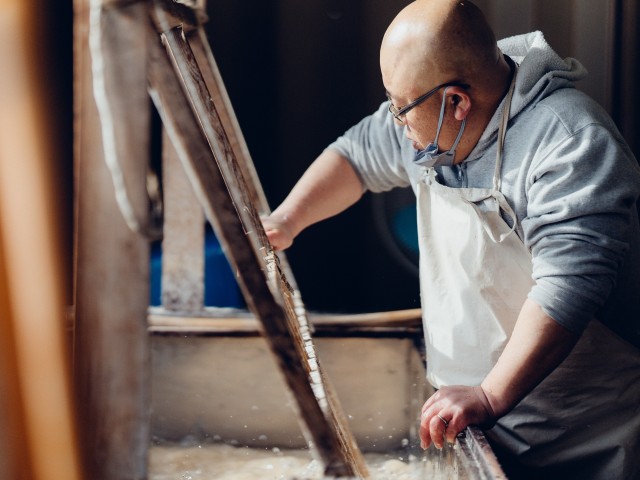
540, 72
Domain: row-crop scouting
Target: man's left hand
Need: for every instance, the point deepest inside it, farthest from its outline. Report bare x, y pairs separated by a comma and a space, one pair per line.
450, 410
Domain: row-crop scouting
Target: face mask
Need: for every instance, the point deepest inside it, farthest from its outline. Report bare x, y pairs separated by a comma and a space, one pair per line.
431, 156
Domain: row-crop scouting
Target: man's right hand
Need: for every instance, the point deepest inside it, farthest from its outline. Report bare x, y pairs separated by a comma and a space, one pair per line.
329, 186
278, 231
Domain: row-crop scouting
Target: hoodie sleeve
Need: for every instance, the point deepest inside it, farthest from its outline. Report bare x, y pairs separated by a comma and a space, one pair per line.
578, 226
375, 148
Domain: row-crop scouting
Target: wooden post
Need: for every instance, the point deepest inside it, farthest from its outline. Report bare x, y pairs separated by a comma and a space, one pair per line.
112, 348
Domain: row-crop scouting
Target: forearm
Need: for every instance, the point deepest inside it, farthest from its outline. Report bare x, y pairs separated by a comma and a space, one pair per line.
329, 186
537, 346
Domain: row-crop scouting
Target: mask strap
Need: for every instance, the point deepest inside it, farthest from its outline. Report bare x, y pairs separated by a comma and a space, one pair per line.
440, 122
455, 144
431, 156
441, 118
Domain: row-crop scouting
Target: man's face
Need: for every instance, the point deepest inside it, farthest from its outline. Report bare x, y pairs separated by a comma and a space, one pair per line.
404, 83
421, 121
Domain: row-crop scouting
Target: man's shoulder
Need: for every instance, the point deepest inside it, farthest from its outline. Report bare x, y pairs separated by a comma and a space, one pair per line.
571, 109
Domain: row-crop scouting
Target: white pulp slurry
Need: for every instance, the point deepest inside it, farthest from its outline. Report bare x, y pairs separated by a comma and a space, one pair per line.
225, 462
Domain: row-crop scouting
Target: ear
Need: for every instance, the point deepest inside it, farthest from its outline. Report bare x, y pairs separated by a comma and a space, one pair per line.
461, 101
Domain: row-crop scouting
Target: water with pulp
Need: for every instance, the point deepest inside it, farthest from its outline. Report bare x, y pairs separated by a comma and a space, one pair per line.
228, 462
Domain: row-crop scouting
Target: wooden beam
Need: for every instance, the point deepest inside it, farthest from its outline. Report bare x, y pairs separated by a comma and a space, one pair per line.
406, 323
112, 348
188, 114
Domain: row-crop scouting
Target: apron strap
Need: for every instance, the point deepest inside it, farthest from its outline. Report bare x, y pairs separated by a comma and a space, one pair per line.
502, 130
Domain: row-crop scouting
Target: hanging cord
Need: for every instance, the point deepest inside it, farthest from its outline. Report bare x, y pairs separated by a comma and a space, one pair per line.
150, 230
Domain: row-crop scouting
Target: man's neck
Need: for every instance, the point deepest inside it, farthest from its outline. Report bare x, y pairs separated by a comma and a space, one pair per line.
486, 104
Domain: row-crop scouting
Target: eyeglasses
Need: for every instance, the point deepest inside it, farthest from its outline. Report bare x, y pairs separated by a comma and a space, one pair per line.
398, 113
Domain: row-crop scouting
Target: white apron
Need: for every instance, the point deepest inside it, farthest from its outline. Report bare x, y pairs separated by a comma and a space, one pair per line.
469, 309
475, 274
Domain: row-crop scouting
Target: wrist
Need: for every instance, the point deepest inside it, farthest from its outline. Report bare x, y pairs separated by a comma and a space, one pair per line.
285, 221
486, 402
497, 404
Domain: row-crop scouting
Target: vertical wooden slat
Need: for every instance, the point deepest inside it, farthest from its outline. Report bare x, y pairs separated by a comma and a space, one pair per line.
112, 295
183, 240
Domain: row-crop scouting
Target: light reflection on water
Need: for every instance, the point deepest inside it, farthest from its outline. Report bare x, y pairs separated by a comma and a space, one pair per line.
226, 462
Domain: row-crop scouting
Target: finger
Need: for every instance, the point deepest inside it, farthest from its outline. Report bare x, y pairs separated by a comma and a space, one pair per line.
452, 431
430, 402
429, 411
437, 427
425, 437
277, 239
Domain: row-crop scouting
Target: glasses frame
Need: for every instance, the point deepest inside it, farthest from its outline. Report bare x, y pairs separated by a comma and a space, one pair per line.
402, 111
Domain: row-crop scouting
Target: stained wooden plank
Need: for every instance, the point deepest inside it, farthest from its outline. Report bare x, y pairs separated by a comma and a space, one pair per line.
219, 184
111, 342
225, 321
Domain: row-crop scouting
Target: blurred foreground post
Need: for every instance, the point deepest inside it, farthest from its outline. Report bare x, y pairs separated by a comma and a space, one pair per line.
37, 433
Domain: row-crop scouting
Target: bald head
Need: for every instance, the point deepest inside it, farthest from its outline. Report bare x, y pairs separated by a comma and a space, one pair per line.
434, 41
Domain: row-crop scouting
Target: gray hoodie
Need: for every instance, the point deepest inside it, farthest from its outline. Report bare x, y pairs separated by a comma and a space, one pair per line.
568, 174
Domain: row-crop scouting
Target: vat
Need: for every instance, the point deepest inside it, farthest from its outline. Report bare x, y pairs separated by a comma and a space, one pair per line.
225, 462
215, 388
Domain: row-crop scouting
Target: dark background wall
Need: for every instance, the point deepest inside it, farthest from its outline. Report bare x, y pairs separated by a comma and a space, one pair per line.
300, 73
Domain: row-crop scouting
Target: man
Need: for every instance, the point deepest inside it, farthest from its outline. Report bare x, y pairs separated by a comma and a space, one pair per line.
529, 239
